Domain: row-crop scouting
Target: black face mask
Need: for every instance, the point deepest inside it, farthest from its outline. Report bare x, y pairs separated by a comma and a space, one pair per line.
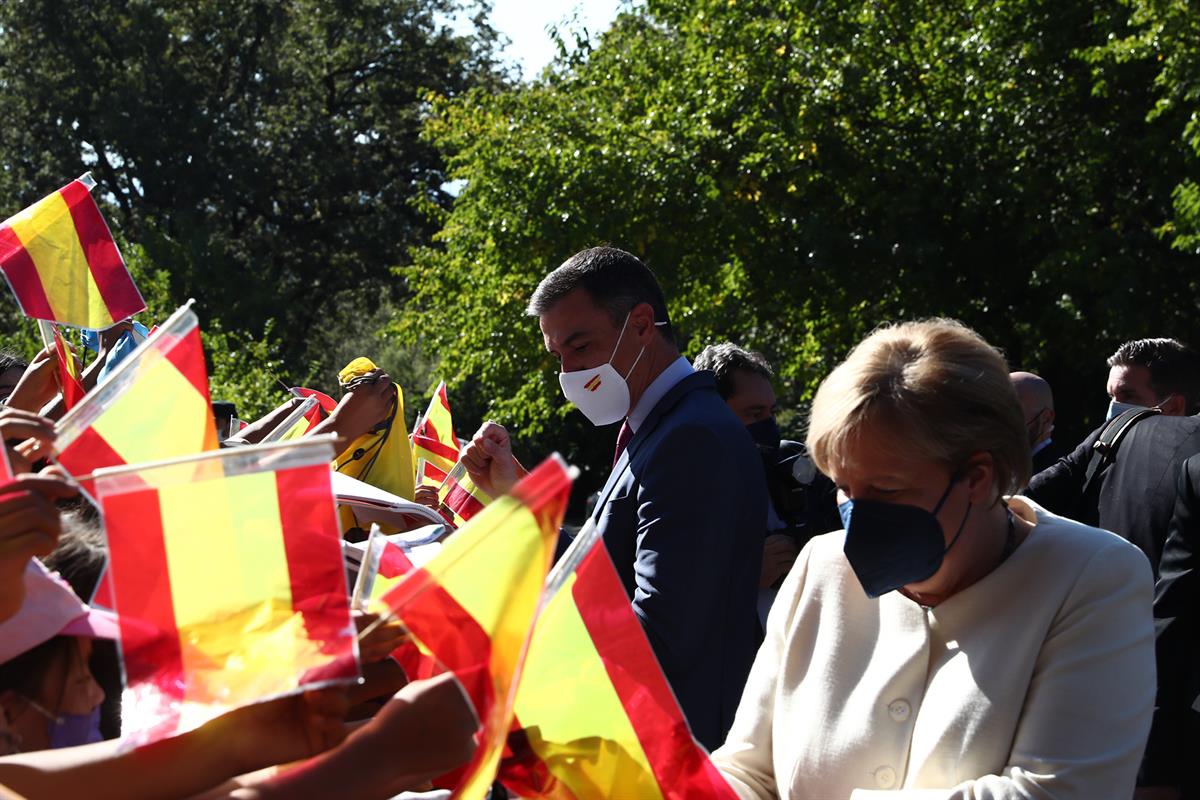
890, 545
765, 432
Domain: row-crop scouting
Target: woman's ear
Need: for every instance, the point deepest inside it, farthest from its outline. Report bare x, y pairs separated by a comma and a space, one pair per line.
980, 474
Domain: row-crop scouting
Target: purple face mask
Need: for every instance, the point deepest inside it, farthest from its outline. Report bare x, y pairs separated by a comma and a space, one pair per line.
71, 730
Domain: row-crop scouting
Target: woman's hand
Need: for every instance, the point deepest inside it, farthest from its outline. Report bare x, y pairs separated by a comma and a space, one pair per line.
283, 730
427, 496
30, 524
37, 435
39, 384
426, 730
382, 641
362, 408
108, 338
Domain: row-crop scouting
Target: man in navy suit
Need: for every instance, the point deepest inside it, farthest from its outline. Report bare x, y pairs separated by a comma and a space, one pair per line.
684, 509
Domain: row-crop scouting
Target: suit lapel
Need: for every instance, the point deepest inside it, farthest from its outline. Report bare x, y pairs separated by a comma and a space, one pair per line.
614, 477
697, 380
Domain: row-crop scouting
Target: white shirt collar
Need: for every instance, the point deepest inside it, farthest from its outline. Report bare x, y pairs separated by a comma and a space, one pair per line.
676, 371
1039, 447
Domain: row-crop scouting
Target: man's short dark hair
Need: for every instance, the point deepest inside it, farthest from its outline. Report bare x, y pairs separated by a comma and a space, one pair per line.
1174, 367
726, 359
615, 280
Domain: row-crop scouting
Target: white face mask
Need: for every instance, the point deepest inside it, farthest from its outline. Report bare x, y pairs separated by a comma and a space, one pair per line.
601, 393
1116, 409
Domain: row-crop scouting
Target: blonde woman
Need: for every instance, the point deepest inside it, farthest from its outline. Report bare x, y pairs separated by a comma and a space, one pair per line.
951, 642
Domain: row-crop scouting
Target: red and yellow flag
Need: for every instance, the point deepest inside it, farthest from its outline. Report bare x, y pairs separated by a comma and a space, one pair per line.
60, 259
69, 382
622, 734
228, 580
459, 499
153, 406
474, 603
383, 566
435, 445
325, 405
6, 470
296, 424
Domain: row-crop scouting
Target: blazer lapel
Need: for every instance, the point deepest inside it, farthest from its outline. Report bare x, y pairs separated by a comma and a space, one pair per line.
693, 382
614, 477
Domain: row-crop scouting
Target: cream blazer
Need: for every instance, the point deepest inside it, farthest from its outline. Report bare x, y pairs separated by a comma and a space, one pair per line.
1036, 682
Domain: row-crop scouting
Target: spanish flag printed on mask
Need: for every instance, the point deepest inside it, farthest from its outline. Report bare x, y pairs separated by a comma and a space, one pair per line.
60, 259
228, 580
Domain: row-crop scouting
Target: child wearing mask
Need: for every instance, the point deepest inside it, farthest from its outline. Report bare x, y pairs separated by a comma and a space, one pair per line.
47, 691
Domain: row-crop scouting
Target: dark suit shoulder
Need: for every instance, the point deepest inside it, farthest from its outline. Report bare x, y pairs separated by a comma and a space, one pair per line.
694, 402
1150, 436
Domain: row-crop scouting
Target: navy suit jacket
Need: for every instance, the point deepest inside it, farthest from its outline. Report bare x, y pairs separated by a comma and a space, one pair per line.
683, 516
1175, 733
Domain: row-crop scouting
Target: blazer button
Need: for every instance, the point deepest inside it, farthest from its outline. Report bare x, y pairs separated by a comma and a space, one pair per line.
899, 710
885, 777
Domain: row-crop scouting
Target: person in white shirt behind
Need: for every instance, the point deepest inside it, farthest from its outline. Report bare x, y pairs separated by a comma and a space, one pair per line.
951, 642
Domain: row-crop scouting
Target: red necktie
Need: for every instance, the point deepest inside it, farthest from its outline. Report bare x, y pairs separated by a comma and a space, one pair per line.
622, 441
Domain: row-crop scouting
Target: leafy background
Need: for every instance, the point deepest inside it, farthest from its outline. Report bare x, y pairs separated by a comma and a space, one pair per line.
796, 173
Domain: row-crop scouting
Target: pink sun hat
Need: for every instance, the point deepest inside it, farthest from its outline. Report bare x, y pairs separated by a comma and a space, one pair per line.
51, 609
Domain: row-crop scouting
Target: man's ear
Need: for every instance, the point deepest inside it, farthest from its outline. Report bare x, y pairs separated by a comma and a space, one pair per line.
641, 322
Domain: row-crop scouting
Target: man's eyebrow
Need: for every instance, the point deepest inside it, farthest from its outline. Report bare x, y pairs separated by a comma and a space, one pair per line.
566, 342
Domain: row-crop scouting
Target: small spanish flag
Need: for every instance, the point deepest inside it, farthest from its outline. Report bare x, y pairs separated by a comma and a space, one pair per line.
459, 499
60, 259
473, 604
68, 371
594, 715
227, 577
435, 445
154, 405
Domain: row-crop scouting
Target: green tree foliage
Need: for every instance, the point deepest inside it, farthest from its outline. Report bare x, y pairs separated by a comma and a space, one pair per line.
800, 172
264, 153
241, 367
1167, 33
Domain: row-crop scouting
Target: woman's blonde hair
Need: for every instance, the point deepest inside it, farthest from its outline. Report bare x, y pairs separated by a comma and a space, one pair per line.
936, 388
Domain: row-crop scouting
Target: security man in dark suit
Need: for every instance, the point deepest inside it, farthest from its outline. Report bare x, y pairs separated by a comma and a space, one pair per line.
802, 502
1134, 495
1037, 403
1175, 734
684, 508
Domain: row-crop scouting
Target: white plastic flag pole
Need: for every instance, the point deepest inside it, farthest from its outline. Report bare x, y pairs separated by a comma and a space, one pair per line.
365, 582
